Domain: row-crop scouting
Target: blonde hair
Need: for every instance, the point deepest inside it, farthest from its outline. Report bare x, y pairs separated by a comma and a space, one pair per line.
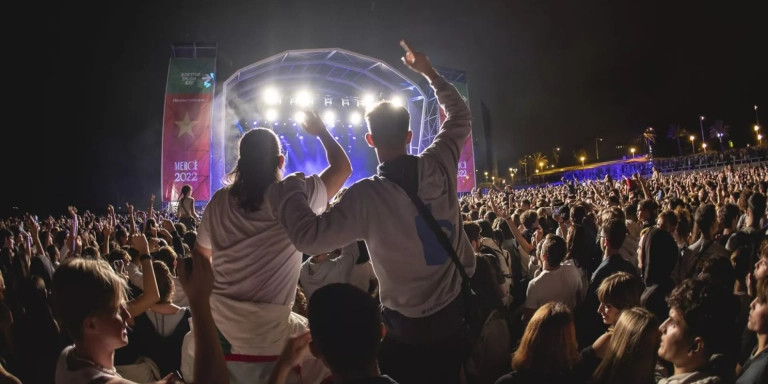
551, 325
632, 351
83, 288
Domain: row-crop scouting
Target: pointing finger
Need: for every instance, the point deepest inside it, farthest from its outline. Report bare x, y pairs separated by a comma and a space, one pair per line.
405, 46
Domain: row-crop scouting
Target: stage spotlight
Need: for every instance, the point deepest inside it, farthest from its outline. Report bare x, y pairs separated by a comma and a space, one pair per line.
271, 96
368, 100
329, 117
303, 99
355, 118
299, 117
397, 101
271, 115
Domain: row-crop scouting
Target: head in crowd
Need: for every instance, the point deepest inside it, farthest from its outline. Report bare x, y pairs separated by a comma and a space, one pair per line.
758, 309
699, 311
486, 229
647, 211
6, 238
165, 284
617, 293
719, 270
53, 253
525, 204
530, 219
706, 220
551, 325
472, 229
667, 221
728, 216
684, 226
346, 328
186, 190
89, 301
180, 228
388, 127
553, 250
744, 199
631, 356
259, 165
658, 257
121, 235
489, 216
150, 228
189, 239
168, 256
90, 252
614, 232
756, 209
577, 248
486, 281
578, 213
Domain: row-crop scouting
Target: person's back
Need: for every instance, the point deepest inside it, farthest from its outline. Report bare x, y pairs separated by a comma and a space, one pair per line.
419, 284
256, 267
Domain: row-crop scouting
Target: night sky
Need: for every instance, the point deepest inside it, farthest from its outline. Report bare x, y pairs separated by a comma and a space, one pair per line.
87, 84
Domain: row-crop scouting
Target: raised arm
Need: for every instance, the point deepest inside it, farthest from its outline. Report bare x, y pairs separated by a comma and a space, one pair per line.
150, 294
339, 168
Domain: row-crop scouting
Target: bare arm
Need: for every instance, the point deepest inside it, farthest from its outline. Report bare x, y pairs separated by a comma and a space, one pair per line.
196, 275
150, 294
339, 168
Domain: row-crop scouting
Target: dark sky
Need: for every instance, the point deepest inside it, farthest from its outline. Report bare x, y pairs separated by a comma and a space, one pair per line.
88, 83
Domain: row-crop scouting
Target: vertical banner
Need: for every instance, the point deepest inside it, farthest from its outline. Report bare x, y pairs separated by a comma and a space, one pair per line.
465, 179
186, 157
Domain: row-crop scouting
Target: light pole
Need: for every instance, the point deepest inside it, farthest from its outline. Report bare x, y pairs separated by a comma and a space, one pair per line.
759, 139
701, 124
693, 149
704, 147
582, 161
757, 119
597, 152
757, 132
633, 152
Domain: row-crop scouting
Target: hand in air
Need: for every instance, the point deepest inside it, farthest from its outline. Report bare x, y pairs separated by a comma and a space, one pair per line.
313, 124
416, 61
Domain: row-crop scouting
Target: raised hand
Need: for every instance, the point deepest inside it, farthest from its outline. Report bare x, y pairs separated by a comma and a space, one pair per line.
196, 278
417, 61
313, 124
72, 211
139, 241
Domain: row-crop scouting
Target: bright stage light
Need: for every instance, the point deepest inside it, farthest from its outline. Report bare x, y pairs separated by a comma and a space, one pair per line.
271, 115
368, 100
303, 99
271, 96
397, 101
329, 117
355, 118
299, 117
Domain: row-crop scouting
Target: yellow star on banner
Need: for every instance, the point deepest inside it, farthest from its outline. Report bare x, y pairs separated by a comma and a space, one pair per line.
185, 126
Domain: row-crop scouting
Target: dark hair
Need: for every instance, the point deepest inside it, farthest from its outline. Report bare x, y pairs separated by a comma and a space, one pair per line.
726, 214
472, 229
707, 309
388, 124
705, 217
762, 290
486, 230
164, 281
189, 238
345, 323
554, 247
669, 218
615, 231
256, 169
719, 270
530, 217
621, 290
649, 206
186, 189
168, 256
756, 205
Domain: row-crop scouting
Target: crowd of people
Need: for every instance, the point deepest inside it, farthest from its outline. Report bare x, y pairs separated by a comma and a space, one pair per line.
396, 279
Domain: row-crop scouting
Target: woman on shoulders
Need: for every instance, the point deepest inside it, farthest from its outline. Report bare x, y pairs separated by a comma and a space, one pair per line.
186, 208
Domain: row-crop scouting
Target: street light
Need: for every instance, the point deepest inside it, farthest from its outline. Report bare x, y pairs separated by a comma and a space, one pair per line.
582, 161
704, 146
633, 152
541, 164
701, 124
486, 176
759, 139
597, 152
693, 149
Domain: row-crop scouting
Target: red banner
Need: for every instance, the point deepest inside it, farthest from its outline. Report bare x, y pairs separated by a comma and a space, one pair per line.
186, 145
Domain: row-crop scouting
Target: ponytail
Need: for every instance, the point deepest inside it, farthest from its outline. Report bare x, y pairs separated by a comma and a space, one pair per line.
257, 168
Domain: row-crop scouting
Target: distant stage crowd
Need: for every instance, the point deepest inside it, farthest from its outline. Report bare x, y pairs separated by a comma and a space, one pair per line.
397, 279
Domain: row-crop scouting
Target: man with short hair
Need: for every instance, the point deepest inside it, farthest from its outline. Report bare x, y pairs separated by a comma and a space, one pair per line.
556, 282
345, 332
706, 247
419, 284
646, 212
693, 337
